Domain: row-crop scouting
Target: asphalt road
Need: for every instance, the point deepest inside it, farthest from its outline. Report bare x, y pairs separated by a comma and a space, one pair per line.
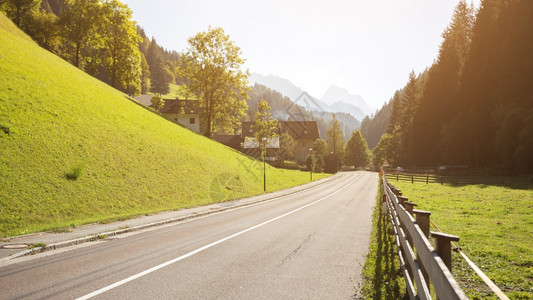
308, 245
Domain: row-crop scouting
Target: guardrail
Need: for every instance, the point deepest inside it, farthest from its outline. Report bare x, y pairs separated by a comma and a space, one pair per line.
429, 266
442, 179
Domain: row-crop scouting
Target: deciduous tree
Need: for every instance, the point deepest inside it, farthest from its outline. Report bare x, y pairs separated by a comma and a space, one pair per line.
357, 153
79, 26
320, 152
265, 127
212, 67
287, 145
157, 101
21, 11
121, 56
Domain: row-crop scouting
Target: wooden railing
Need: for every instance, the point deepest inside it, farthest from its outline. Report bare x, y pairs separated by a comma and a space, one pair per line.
422, 265
445, 179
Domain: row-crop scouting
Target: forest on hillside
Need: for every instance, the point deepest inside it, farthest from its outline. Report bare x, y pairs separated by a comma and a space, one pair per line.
100, 38
474, 106
374, 126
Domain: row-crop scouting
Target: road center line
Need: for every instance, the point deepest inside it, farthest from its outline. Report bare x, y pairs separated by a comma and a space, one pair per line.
148, 271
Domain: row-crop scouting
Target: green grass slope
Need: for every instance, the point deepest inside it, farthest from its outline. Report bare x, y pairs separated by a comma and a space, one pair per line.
56, 121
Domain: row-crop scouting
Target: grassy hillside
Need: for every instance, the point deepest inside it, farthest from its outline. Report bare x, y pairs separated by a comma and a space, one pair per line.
74, 150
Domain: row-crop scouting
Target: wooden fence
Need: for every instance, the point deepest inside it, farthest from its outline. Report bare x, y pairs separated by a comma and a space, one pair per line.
428, 265
442, 179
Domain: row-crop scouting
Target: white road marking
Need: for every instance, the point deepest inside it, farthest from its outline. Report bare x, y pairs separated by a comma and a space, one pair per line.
146, 272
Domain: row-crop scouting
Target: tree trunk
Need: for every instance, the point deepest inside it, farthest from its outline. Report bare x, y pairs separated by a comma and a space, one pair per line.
77, 59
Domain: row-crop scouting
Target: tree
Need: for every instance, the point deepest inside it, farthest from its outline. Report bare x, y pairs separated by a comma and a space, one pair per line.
287, 145
157, 101
21, 11
384, 150
320, 153
44, 30
160, 75
357, 153
372, 128
496, 76
121, 56
438, 105
409, 106
79, 26
265, 127
145, 75
335, 140
212, 66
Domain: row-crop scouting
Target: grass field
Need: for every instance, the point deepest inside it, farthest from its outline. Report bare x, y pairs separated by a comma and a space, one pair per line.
74, 150
495, 226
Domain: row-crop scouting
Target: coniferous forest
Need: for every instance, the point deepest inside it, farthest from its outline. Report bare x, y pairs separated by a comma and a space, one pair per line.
474, 106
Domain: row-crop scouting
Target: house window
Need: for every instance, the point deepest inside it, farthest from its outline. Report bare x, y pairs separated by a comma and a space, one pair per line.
305, 131
303, 144
192, 120
251, 130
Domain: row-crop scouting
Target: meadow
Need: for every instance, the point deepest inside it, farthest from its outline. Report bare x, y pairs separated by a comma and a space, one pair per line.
495, 227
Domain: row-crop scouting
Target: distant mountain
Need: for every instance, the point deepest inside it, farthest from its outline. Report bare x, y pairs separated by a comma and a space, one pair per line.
334, 100
340, 98
277, 83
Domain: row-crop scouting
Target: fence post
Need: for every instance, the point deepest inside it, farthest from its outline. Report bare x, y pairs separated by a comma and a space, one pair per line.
444, 248
422, 219
402, 200
412, 178
427, 179
409, 206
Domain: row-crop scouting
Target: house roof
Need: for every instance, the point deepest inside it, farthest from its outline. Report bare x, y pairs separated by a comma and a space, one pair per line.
173, 106
300, 129
144, 99
297, 129
233, 141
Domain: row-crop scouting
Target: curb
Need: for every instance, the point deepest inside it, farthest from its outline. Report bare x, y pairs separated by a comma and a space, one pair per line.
104, 235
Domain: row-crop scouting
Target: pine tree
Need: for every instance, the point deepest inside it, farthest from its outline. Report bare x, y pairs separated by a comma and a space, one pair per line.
335, 140
438, 105
160, 75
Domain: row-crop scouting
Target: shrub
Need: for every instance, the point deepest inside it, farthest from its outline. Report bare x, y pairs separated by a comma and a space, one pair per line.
75, 172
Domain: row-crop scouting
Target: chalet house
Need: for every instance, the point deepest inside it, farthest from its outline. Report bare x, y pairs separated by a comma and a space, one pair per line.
184, 112
250, 145
304, 134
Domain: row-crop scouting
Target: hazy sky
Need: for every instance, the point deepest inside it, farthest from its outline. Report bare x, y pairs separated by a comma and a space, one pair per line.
366, 46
